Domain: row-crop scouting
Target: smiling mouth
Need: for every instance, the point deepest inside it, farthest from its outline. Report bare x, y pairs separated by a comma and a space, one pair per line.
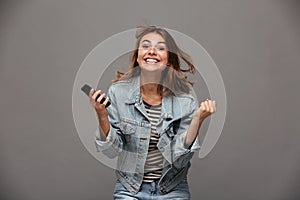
151, 60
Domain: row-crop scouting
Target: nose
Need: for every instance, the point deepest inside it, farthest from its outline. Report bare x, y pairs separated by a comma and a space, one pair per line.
152, 50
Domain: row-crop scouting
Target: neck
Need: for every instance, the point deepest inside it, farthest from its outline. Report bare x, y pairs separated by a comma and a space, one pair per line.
149, 89
150, 93
149, 82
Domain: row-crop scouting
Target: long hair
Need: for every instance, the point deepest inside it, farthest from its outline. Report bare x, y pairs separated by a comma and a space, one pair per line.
173, 79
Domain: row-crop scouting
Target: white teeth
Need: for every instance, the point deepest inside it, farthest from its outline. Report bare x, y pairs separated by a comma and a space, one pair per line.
149, 60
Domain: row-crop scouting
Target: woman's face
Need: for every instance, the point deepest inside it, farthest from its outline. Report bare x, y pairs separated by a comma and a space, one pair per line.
152, 52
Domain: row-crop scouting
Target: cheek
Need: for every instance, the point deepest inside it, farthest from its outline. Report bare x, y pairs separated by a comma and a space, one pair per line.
139, 57
165, 57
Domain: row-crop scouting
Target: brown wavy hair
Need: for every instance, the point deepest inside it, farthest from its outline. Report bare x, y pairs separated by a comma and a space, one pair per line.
173, 79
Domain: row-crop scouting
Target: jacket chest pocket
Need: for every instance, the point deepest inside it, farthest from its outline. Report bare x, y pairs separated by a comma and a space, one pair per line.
129, 136
127, 128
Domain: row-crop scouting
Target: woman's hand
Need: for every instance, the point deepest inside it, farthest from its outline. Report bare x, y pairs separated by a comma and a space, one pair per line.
101, 111
206, 108
99, 107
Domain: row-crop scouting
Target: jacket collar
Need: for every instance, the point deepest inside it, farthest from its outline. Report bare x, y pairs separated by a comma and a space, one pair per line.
135, 97
134, 94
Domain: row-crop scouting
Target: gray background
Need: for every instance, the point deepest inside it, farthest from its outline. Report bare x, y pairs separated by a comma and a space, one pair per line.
255, 44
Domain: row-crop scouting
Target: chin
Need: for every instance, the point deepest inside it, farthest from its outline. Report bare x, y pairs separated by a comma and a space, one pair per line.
153, 67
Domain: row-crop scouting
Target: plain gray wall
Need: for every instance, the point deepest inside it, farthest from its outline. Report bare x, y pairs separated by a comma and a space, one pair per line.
255, 44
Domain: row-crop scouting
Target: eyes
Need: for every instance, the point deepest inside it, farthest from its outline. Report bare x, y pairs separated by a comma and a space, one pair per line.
159, 47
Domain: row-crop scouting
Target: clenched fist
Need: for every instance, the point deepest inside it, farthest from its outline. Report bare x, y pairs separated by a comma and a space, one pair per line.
206, 108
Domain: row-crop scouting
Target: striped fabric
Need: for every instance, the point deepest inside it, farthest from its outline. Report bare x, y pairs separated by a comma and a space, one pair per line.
154, 161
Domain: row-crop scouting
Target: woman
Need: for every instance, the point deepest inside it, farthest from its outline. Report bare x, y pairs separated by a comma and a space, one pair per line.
153, 121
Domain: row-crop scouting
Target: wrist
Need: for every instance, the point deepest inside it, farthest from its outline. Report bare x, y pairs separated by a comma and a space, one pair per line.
102, 118
198, 118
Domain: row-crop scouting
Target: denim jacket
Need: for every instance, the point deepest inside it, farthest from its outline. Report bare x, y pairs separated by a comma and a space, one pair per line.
129, 135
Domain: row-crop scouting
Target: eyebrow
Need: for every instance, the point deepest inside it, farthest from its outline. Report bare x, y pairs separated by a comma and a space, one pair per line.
150, 42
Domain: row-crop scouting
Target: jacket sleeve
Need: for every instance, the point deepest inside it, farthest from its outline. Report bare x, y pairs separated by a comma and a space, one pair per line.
112, 145
181, 152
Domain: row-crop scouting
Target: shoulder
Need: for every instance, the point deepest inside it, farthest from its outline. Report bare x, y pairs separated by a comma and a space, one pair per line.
187, 100
122, 84
190, 96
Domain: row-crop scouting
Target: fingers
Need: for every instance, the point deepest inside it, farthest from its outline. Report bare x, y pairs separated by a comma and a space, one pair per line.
206, 102
203, 106
93, 96
100, 99
212, 107
96, 94
97, 99
91, 93
106, 101
208, 106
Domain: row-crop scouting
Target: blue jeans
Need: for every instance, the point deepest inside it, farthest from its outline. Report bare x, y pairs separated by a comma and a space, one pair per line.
149, 191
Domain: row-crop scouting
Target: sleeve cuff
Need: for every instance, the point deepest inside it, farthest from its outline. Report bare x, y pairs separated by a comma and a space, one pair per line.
183, 148
101, 142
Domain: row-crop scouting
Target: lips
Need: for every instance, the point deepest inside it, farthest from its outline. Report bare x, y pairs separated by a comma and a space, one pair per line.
151, 60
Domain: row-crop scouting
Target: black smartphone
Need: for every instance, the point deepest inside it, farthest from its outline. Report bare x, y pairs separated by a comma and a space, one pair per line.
87, 88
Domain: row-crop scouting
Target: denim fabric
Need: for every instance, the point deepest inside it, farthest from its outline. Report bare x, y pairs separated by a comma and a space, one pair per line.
150, 191
129, 135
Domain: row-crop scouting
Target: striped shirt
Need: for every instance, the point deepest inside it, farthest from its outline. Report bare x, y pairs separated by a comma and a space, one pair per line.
154, 161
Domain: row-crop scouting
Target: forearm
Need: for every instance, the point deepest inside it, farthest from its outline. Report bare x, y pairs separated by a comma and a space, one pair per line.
107, 140
193, 130
206, 108
104, 126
